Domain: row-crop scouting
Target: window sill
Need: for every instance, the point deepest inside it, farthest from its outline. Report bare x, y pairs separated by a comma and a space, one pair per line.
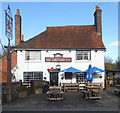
83, 60
68, 79
33, 61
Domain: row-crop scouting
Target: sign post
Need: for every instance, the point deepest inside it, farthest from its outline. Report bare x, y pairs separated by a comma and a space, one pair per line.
9, 35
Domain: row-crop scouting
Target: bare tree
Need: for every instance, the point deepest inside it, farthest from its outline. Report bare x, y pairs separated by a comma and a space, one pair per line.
3, 51
117, 63
109, 65
108, 60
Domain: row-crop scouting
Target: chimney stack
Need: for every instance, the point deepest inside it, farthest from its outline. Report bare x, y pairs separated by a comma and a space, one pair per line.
98, 22
17, 28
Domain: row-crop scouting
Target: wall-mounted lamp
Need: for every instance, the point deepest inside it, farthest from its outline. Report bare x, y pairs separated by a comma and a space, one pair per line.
58, 66
95, 50
15, 50
62, 78
45, 78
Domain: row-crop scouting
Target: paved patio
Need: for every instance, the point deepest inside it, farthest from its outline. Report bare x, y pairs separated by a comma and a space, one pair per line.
73, 101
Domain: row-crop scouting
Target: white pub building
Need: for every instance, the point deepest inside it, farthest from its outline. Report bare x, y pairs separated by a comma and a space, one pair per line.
57, 48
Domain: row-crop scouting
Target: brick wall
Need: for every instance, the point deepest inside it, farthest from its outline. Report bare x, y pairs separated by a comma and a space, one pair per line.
3, 66
14, 94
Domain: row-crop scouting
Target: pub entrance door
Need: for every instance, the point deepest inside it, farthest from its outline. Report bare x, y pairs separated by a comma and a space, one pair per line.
54, 78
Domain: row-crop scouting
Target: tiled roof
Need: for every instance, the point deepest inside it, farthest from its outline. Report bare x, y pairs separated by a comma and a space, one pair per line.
82, 37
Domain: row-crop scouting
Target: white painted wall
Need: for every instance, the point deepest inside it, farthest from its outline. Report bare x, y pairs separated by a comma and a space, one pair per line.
97, 59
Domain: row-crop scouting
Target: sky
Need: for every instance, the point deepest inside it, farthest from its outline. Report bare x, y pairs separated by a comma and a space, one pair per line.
36, 16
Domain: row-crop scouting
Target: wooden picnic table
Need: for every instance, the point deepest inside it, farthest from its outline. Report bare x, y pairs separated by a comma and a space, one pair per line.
92, 87
117, 90
70, 87
117, 86
90, 90
54, 95
57, 88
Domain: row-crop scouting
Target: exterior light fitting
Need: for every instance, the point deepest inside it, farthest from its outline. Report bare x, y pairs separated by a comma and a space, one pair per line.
58, 66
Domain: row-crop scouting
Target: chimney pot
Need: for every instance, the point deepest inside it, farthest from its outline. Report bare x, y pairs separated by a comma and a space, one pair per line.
22, 37
97, 7
18, 12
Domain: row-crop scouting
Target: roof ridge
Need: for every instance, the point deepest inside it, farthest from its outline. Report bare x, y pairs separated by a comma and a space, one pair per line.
69, 26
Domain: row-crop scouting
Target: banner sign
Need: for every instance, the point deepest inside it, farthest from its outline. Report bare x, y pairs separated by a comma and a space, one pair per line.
58, 58
8, 24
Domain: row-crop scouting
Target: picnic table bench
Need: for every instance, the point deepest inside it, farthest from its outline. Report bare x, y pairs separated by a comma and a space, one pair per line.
57, 88
93, 92
95, 83
86, 93
54, 95
117, 91
81, 85
70, 86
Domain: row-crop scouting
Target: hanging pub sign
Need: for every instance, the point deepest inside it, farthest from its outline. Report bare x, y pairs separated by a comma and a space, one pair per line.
57, 58
8, 23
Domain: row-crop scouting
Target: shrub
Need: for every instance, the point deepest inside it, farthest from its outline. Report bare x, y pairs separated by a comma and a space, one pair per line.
118, 82
45, 88
22, 88
39, 86
49, 85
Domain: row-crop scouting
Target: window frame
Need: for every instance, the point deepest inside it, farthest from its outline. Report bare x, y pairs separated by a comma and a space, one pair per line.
31, 76
82, 57
27, 55
68, 78
81, 75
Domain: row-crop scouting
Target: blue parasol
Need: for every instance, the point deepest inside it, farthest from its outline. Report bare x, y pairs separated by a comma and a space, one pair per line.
97, 70
89, 75
71, 69
91, 70
119, 76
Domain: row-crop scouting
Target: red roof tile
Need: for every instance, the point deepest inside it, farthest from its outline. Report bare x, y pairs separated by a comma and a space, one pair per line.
82, 37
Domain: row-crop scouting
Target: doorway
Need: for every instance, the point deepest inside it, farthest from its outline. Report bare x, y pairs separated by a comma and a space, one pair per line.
54, 78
